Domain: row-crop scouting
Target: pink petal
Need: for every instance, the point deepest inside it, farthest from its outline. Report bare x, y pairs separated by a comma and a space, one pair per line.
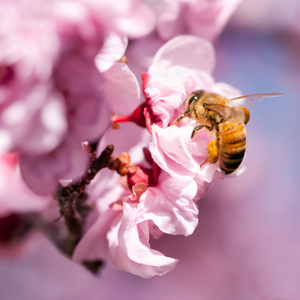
141, 52
169, 23
42, 173
137, 24
38, 115
166, 89
120, 89
112, 50
93, 245
134, 242
101, 242
90, 117
170, 205
103, 191
48, 128
188, 51
209, 173
202, 18
175, 153
131, 17
208, 18
171, 150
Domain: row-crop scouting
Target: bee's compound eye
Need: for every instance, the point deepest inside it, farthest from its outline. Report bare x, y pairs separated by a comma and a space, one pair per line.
196, 97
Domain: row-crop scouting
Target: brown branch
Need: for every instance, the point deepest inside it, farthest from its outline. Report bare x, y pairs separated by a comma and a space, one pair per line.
72, 204
66, 196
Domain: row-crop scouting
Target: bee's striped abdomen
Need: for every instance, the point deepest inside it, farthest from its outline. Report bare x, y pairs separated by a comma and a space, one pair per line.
232, 137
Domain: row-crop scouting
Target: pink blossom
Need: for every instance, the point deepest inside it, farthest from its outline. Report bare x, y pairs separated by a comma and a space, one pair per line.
25, 89
133, 17
174, 152
119, 87
173, 75
127, 214
202, 18
104, 237
245, 247
170, 79
146, 204
140, 53
53, 94
43, 172
86, 82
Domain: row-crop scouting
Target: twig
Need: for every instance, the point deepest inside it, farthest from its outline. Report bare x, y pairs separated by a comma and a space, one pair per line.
66, 196
72, 204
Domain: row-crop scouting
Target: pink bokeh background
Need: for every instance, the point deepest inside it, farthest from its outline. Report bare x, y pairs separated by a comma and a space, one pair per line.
247, 243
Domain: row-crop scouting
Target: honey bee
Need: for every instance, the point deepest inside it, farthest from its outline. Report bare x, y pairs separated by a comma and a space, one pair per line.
228, 117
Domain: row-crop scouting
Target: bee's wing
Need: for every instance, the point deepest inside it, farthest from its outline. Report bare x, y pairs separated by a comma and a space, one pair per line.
249, 101
222, 110
228, 113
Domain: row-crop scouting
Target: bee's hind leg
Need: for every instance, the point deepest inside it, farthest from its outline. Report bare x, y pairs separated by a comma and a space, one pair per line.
212, 152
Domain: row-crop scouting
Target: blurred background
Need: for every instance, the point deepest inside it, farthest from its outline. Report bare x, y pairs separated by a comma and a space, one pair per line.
247, 243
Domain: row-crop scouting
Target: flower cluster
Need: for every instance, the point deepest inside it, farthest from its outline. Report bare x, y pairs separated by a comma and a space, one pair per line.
53, 95
160, 197
65, 87
198, 17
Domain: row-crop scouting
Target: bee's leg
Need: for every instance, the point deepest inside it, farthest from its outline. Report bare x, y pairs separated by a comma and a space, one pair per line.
212, 152
187, 112
197, 128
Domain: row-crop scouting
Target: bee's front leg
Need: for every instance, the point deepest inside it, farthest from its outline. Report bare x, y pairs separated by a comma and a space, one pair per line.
199, 127
186, 113
212, 152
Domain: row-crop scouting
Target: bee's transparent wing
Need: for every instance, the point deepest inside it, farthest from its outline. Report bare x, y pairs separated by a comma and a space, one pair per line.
228, 113
250, 101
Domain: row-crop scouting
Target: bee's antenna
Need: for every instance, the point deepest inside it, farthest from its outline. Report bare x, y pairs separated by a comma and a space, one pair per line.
184, 101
